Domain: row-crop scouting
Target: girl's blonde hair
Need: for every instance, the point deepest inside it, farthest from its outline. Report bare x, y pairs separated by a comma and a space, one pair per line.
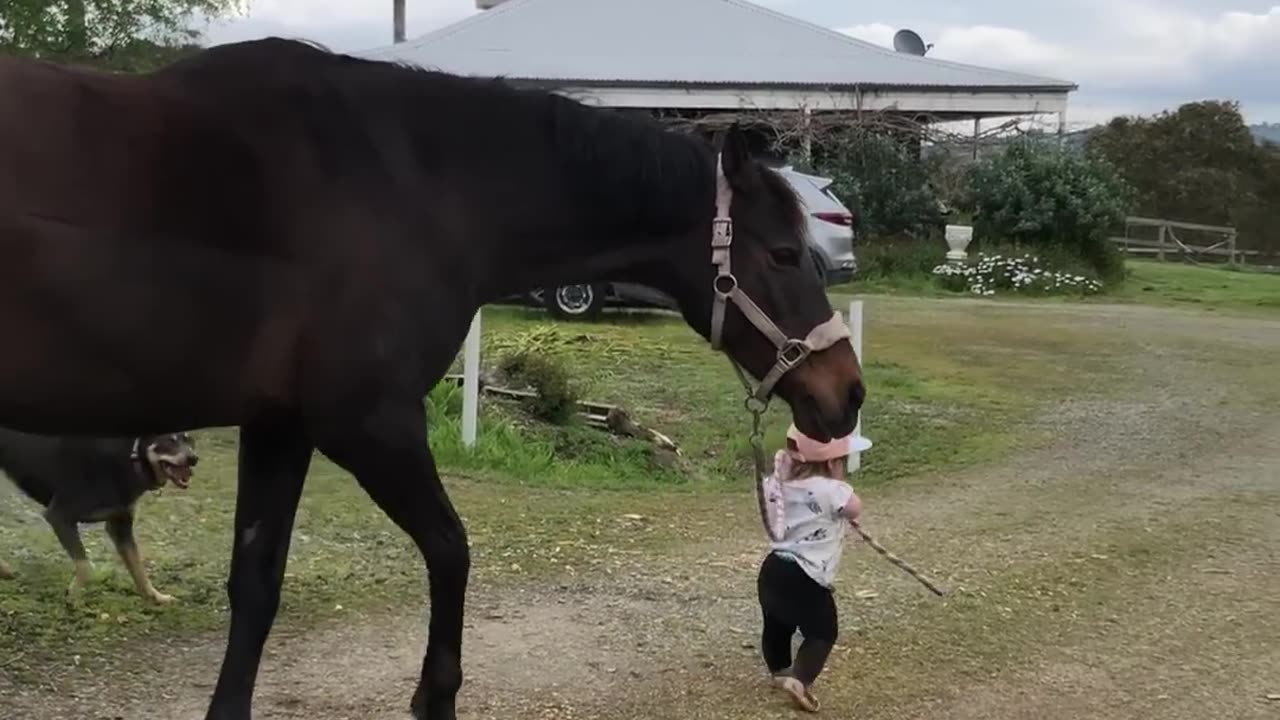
788, 464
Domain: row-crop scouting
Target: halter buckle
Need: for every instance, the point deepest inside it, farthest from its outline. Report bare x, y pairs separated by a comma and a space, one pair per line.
721, 232
793, 353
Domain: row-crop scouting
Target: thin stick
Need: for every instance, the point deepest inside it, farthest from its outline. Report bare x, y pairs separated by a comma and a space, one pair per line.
897, 561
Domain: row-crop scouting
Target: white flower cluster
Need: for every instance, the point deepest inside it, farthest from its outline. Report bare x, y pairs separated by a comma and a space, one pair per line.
997, 272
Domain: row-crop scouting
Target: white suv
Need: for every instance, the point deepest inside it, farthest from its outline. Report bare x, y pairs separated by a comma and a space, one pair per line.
830, 231
830, 226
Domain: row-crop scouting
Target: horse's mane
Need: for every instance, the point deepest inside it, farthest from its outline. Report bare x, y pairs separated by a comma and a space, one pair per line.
630, 171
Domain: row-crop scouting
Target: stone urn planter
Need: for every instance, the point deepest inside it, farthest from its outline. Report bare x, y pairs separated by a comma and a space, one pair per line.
958, 239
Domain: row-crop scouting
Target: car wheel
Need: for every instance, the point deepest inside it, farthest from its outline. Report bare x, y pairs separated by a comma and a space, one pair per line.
575, 302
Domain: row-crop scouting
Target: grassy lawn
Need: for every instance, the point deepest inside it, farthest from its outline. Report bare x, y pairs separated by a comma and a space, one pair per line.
1211, 287
1149, 283
947, 388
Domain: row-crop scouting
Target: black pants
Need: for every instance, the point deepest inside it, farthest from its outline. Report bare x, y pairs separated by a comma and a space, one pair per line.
792, 600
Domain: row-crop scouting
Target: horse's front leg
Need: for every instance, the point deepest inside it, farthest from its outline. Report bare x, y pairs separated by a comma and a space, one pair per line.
387, 451
273, 465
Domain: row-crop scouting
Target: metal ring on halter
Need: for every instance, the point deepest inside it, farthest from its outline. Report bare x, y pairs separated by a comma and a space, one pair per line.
733, 285
755, 405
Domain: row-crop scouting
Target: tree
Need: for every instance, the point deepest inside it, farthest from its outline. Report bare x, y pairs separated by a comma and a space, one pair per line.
117, 34
1199, 163
880, 178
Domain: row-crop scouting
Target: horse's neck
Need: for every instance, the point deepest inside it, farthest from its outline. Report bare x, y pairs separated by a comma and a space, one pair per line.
572, 242
568, 194
586, 254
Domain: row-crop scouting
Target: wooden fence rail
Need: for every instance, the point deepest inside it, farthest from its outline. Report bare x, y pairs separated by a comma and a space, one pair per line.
1168, 242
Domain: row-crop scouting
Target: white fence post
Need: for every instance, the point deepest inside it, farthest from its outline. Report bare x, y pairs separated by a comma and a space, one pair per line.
471, 382
855, 338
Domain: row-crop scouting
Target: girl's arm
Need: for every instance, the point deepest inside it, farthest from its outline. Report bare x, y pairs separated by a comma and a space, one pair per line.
852, 509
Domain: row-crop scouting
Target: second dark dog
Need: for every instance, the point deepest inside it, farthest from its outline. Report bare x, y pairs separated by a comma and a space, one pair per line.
83, 480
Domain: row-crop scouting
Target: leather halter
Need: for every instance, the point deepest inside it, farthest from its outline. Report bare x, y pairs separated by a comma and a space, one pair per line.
791, 351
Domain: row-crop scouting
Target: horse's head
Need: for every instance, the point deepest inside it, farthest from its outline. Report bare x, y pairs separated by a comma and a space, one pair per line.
756, 294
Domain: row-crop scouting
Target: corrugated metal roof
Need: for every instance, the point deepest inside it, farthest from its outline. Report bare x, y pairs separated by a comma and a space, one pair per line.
722, 42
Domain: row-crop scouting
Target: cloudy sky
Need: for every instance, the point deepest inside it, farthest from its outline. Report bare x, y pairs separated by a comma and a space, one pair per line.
1128, 56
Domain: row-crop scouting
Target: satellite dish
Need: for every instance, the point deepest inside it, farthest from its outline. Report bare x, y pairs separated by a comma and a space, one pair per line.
907, 41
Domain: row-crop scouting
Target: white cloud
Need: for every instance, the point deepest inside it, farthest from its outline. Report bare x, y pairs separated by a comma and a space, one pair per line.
1159, 48
1142, 58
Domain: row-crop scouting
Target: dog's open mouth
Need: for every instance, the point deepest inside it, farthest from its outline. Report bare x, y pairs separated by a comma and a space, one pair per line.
179, 475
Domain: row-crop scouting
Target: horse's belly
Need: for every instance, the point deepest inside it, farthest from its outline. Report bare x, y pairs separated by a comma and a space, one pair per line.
103, 335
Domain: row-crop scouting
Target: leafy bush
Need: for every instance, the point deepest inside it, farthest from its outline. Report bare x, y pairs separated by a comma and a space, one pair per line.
898, 256
557, 398
879, 179
1036, 194
1022, 274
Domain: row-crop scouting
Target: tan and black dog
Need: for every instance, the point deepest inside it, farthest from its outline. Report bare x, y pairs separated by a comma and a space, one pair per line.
85, 480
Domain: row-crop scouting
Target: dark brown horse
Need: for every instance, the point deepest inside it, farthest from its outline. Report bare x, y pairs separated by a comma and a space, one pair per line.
309, 235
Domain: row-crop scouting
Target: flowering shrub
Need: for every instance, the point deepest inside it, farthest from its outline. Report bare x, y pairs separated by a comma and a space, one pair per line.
1035, 194
992, 273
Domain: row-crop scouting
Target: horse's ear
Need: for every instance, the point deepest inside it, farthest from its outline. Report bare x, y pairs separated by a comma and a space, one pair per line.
736, 159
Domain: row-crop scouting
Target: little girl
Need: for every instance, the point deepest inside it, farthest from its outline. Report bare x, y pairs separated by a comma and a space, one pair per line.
808, 506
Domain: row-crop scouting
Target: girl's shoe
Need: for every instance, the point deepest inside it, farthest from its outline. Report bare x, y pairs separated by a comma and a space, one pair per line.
800, 694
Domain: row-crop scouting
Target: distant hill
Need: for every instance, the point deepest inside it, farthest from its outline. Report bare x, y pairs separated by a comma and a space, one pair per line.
1266, 131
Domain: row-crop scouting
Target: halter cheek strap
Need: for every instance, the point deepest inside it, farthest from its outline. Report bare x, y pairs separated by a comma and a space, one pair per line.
791, 351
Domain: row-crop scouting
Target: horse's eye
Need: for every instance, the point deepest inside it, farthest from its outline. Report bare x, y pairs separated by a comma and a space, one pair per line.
785, 256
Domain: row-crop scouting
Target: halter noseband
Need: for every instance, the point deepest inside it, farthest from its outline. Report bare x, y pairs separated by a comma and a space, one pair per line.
791, 351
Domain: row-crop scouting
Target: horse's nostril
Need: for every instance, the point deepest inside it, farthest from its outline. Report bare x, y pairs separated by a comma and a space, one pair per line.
857, 395
193, 460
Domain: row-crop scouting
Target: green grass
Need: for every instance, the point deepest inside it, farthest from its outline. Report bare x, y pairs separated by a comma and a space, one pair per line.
946, 390
927, 397
1148, 282
1160, 283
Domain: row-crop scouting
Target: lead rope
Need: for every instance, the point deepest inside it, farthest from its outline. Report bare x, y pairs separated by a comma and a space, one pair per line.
757, 408
896, 560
